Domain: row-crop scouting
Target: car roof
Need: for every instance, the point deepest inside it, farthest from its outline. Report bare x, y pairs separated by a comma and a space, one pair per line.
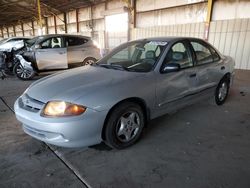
19, 38
168, 39
59, 35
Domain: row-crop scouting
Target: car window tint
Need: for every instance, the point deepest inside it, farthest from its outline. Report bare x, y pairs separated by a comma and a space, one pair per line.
203, 54
139, 56
54, 42
215, 55
158, 51
124, 55
75, 41
178, 53
148, 47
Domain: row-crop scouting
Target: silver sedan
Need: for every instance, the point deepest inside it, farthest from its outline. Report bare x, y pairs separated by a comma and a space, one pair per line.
112, 100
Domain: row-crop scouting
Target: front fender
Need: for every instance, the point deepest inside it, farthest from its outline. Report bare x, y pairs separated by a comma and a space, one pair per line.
26, 65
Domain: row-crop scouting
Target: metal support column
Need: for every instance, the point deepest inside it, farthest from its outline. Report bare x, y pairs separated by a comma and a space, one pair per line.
209, 16
65, 22
77, 21
14, 30
91, 21
46, 26
33, 28
55, 24
39, 16
22, 28
8, 32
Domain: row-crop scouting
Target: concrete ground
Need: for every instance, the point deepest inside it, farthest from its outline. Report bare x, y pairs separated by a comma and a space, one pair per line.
201, 146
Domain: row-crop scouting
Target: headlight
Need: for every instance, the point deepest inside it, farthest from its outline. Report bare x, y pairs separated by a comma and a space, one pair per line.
62, 109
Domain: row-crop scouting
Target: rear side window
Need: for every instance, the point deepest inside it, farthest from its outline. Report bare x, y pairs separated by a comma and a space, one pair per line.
203, 54
75, 41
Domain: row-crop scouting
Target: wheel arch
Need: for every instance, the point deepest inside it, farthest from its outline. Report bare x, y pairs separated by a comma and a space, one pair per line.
135, 100
227, 76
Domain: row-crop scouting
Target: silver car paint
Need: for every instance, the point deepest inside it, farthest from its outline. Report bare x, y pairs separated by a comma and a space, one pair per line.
60, 58
99, 89
76, 54
53, 58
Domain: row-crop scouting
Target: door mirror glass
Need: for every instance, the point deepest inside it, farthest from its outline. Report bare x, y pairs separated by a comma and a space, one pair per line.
171, 67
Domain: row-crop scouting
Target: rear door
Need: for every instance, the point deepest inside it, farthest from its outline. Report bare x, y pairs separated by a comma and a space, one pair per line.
76, 49
52, 54
208, 64
173, 88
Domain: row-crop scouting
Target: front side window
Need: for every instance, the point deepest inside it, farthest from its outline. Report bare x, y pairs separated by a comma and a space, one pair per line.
215, 55
179, 54
203, 54
54, 42
139, 56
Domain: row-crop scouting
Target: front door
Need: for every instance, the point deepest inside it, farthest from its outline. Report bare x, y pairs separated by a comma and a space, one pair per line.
173, 89
52, 54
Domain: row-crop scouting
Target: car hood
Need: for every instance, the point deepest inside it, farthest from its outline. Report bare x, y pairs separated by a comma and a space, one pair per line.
79, 82
7, 46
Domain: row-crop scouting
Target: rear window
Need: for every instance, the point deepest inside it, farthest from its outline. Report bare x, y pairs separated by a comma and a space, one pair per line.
75, 41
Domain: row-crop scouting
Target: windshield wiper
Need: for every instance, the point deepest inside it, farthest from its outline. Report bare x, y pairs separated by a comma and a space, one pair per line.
112, 66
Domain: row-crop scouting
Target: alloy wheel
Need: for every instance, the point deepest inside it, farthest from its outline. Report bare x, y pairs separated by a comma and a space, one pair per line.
128, 126
223, 91
22, 72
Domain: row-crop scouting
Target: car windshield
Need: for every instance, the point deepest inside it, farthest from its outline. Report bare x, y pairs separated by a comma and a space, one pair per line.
138, 56
32, 41
3, 41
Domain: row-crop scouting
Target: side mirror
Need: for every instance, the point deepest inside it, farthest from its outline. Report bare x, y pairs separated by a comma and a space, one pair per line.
171, 67
38, 46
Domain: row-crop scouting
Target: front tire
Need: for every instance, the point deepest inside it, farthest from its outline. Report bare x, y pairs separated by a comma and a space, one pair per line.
23, 73
124, 126
221, 91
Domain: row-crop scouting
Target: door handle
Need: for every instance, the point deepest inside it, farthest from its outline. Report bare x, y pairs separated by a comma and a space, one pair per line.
61, 52
222, 68
192, 75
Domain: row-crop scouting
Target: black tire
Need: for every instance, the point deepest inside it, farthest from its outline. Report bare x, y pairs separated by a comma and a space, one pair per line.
116, 135
89, 61
8, 72
222, 90
22, 73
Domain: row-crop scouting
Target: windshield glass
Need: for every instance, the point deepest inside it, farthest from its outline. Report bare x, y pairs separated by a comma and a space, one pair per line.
32, 41
3, 41
138, 56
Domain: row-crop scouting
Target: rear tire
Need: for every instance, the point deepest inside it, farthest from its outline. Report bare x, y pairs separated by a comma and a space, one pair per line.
124, 126
89, 61
22, 73
221, 91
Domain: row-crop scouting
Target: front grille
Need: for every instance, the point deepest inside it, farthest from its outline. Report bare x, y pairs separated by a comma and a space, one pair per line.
30, 104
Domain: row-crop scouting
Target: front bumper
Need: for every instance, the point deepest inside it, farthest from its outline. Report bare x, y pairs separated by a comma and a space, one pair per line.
78, 131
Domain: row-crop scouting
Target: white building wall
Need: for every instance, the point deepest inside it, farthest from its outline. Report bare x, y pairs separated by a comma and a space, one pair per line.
148, 5
179, 15
226, 10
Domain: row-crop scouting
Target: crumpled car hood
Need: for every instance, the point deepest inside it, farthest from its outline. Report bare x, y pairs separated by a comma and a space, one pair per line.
80, 82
